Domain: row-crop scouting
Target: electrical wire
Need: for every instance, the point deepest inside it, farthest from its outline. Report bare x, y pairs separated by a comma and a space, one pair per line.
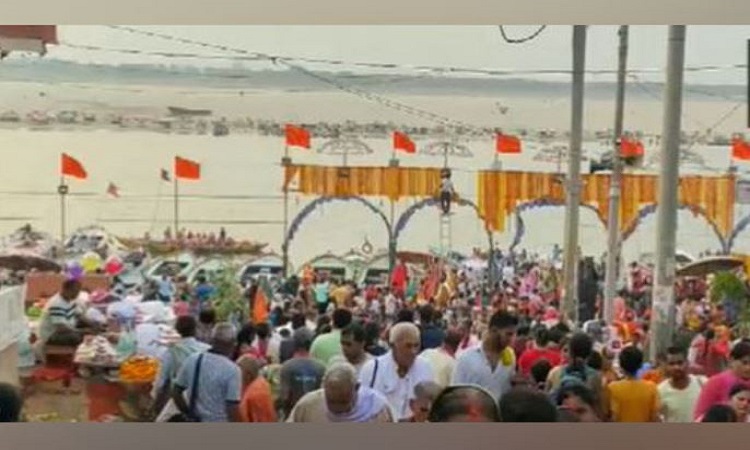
331, 81
443, 70
524, 40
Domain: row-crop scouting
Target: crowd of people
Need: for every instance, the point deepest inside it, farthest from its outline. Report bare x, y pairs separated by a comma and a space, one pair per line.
446, 349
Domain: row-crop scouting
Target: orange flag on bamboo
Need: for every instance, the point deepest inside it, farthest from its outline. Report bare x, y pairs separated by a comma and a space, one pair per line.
740, 149
261, 301
402, 142
71, 167
631, 148
186, 170
297, 137
507, 144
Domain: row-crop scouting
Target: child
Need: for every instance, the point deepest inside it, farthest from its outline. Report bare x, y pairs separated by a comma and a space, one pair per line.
446, 191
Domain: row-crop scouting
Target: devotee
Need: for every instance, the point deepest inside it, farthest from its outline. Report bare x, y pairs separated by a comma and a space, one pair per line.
717, 388
342, 399
490, 365
464, 403
212, 381
396, 373
257, 402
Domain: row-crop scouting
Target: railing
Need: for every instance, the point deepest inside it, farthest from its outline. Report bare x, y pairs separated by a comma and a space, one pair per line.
12, 315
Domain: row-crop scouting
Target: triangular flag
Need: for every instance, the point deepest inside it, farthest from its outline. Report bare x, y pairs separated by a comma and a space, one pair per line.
113, 190
631, 148
165, 175
402, 142
740, 149
69, 166
297, 137
507, 144
186, 169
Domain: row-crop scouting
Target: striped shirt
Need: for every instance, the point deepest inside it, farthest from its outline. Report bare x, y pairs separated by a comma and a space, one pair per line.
58, 312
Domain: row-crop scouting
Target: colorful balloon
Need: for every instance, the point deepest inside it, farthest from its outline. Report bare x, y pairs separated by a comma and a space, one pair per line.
113, 266
91, 262
74, 271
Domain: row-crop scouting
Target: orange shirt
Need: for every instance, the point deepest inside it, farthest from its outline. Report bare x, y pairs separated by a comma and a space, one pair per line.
257, 403
633, 401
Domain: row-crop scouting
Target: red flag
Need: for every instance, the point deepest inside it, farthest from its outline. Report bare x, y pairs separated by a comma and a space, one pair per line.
740, 149
186, 169
69, 166
113, 190
631, 149
401, 141
297, 137
507, 144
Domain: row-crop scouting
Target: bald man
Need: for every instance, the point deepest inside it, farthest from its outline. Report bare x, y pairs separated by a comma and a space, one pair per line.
398, 372
342, 399
257, 400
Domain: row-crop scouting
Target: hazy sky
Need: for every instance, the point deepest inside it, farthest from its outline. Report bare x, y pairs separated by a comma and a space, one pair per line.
463, 46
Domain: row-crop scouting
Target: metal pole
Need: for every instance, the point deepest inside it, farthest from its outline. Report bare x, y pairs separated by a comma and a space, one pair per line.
615, 189
663, 308
285, 162
573, 181
176, 207
63, 191
392, 242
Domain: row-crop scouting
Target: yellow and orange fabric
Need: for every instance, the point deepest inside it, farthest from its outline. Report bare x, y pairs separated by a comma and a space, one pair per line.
499, 193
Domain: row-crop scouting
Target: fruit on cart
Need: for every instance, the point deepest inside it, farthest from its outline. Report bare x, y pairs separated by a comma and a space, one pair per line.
139, 369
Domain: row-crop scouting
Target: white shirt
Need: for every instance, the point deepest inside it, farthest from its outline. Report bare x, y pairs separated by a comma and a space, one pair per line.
677, 406
446, 185
442, 364
473, 367
399, 391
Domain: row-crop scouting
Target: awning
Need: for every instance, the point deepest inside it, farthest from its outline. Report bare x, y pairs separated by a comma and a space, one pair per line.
26, 38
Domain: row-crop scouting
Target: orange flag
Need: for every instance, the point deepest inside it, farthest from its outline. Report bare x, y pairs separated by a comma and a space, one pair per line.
186, 169
297, 137
70, 166
507, 144
740, 149
261, 302
631, 149
402, 141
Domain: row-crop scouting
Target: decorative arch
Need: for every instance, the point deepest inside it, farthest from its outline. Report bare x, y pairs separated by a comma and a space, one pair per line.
647, 210
543, 203
299, 219
741, 226
407, 215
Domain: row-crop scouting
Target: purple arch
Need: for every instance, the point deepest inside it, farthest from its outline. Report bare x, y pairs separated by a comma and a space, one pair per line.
407, 215
647, 210
542, 203
312, 206
741, 226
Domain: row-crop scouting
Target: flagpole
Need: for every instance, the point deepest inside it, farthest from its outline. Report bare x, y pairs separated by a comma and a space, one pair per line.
63, 191
286, 161
394, 163
176, 206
